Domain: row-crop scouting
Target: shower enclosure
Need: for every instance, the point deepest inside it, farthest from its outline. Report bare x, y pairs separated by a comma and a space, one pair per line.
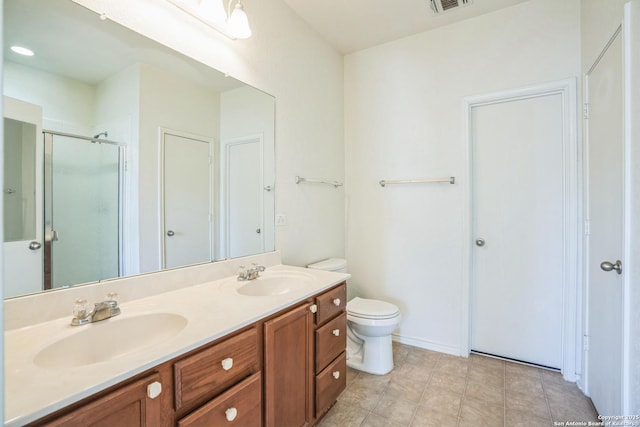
83, 203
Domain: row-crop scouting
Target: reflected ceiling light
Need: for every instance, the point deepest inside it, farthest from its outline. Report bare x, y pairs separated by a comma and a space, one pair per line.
231, 21
21, 50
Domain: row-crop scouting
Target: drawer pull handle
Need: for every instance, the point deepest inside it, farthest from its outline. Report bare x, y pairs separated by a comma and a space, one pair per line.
336, 374
336, 332
227, 363
231, 414
154, 389
313, 308
336, 302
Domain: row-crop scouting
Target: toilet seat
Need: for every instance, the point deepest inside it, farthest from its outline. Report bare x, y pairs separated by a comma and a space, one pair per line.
371, 309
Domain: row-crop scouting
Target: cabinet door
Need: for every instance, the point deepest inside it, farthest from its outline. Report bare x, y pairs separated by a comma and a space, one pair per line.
130, 406
289, 369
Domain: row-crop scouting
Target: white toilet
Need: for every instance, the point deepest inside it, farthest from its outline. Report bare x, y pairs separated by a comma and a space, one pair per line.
370, 324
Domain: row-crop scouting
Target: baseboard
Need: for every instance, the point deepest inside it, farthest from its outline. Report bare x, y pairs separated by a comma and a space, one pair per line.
427, 345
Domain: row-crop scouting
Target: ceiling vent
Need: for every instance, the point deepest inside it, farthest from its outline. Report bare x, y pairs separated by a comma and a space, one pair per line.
440, 6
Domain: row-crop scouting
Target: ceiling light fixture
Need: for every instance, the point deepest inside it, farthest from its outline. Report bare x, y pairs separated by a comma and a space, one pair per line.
231, 21
21, 50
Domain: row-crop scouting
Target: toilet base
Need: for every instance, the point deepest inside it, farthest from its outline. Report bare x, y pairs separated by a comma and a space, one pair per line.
374, 355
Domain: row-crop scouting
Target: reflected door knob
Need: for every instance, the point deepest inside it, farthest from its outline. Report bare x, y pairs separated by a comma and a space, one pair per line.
480, 242
171, 233
608, 266
258, 230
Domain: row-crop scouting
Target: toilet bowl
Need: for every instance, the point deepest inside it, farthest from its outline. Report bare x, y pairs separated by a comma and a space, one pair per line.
370, 324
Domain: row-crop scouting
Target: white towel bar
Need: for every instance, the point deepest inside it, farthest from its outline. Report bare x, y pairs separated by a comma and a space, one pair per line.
450, 180
335, 184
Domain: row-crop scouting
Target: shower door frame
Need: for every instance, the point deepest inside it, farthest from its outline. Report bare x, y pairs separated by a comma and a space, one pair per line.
48, 197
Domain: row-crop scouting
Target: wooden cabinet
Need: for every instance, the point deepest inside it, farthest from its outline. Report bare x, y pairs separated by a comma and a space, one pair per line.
305, 360
205, 374
232, 381
239, 406
288, 365
135, 404
330, 348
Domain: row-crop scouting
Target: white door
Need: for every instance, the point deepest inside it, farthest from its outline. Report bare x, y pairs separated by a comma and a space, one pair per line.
604, 128
187, 232
244, 197
23, 229
518, 204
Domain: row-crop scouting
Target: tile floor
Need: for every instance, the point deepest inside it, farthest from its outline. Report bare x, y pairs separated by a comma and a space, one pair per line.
434, 389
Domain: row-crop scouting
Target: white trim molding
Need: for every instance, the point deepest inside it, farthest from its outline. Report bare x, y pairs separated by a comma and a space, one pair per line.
572, 247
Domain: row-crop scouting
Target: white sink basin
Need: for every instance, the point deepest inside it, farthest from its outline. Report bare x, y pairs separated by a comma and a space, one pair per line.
276, 283
108, 339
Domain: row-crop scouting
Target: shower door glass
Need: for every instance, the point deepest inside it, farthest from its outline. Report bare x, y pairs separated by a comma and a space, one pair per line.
83, 206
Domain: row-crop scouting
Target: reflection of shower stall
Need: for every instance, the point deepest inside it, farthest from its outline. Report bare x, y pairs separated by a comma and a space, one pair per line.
83, 209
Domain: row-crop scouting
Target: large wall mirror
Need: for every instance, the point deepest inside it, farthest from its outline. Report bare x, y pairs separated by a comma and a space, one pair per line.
123, 156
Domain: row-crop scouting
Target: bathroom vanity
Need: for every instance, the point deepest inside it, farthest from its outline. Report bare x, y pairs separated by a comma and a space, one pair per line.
229, 352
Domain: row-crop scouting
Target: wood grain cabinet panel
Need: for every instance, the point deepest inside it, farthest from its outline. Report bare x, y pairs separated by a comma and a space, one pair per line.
330, 383
331, 340
288, 368
240, 406
209, 372
129, 405
331, 303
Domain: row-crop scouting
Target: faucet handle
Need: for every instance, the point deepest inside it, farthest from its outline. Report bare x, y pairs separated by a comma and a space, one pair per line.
80, 308
113, 296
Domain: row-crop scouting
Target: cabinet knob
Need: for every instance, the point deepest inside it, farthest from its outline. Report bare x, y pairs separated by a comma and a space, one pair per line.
154, 389
336, 302
313, 308
231, 414
227, 363
336, 374
336, 332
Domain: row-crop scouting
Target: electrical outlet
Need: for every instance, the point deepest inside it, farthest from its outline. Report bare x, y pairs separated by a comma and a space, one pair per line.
281, 219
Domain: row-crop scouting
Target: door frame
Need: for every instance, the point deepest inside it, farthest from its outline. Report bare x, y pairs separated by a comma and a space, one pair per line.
566, 88
162, 132
629, 40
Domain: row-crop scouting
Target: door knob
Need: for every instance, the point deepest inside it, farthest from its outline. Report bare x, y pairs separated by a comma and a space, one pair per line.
479, 242
34, 246
171, 233
607, 266
258, 230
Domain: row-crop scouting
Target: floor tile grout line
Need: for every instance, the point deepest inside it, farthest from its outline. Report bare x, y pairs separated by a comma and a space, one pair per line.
424, 391
464, 395
504, 394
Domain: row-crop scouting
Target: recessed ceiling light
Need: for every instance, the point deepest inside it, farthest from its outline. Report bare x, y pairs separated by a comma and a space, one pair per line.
22, 50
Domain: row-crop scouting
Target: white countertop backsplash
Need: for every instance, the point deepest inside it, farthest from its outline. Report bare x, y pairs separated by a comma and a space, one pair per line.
202, 294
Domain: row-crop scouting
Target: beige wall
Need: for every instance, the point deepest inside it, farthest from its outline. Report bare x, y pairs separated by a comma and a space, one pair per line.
404, 119
288, 60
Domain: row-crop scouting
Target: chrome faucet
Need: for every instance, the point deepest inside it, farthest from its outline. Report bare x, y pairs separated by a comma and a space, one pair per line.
250, 273
101, 310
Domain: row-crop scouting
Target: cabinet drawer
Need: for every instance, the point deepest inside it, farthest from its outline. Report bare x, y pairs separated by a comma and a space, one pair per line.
239, 406
330, 383
331, 340
331, 303
201, 376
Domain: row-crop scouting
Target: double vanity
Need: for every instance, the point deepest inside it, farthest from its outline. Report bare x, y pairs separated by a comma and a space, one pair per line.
192, 347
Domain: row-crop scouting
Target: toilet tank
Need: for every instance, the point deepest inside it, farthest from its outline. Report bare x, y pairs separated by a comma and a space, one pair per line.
338, 265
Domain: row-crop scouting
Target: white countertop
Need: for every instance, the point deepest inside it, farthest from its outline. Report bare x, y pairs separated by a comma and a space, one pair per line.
212, 310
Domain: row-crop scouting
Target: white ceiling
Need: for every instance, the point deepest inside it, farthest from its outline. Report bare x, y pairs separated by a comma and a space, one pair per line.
351, 25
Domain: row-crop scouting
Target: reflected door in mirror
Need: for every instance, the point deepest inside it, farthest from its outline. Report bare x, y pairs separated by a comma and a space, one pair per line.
22, 214
83, 204
244, 176
187, 175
